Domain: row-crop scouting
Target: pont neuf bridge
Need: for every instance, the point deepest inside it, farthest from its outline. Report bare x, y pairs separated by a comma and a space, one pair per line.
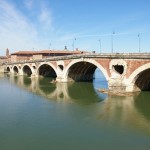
127, 72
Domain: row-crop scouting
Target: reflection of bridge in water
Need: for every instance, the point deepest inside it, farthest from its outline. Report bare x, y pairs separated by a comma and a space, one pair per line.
63, 92
131, 111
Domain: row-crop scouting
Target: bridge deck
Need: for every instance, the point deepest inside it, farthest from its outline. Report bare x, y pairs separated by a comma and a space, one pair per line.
90, 55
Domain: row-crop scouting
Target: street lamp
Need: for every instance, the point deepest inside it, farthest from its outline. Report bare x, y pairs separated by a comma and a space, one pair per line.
112, 44
99, 45
73, 43
139, 37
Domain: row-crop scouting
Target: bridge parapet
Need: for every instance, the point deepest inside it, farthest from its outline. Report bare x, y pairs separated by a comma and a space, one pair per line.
91, 55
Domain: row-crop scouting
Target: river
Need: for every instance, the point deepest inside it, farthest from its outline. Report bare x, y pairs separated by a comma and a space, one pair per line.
38, 115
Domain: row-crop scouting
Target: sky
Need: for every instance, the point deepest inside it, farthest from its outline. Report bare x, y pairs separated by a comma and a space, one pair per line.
92, 25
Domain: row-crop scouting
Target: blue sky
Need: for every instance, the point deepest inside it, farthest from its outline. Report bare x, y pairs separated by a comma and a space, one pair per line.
44, 24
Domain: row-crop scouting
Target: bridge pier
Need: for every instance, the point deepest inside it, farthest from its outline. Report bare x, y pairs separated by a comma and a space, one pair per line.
62, 78
118, 80
34, 74
118, 85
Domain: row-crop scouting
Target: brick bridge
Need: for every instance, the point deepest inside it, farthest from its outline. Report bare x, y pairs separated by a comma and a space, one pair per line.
123, 71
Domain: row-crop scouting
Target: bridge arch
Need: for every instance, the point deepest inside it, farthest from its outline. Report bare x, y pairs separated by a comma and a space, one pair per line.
47, 69
141, 77
26, 69
8, 69
83, 70
15, 69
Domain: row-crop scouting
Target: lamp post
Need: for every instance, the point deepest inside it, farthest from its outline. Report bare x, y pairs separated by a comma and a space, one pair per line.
112, 44
100, 45
139, 37
73, 43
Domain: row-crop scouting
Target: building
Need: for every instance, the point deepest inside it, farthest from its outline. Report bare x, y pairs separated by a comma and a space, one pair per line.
3, 59
34, 55
6, 58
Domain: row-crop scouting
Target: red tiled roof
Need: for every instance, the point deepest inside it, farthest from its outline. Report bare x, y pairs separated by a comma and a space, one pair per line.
24, 52
48, 52
60, 52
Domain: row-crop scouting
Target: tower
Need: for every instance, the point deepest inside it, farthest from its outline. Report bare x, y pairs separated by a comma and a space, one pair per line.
7, 52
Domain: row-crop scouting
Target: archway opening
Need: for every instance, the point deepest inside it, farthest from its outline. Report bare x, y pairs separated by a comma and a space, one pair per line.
15, 70
46, 70
88, 72
61, 67
143, 80
82, 71
119, 68
27, 71
8, 69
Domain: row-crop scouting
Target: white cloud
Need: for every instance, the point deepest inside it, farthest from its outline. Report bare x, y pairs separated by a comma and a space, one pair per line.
16, 31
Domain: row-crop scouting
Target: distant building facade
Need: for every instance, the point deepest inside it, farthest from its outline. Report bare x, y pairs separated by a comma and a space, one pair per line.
3, 59
6, 58
34, 55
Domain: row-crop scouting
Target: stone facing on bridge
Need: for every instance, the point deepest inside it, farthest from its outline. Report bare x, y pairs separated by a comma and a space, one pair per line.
124, 72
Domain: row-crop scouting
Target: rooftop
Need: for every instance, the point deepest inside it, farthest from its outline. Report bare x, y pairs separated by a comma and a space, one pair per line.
49, 52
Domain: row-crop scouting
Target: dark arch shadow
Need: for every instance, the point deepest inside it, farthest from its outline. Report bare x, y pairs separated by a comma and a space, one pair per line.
143, 80
82, 71
8, 69
15, 69
27, 70
47, 71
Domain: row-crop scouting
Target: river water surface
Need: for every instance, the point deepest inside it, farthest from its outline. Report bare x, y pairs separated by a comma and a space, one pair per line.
38, 115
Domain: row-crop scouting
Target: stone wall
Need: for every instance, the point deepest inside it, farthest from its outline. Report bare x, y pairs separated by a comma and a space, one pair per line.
36, 57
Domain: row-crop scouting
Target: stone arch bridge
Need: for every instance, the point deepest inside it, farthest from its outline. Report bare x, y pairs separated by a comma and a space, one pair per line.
127, 72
